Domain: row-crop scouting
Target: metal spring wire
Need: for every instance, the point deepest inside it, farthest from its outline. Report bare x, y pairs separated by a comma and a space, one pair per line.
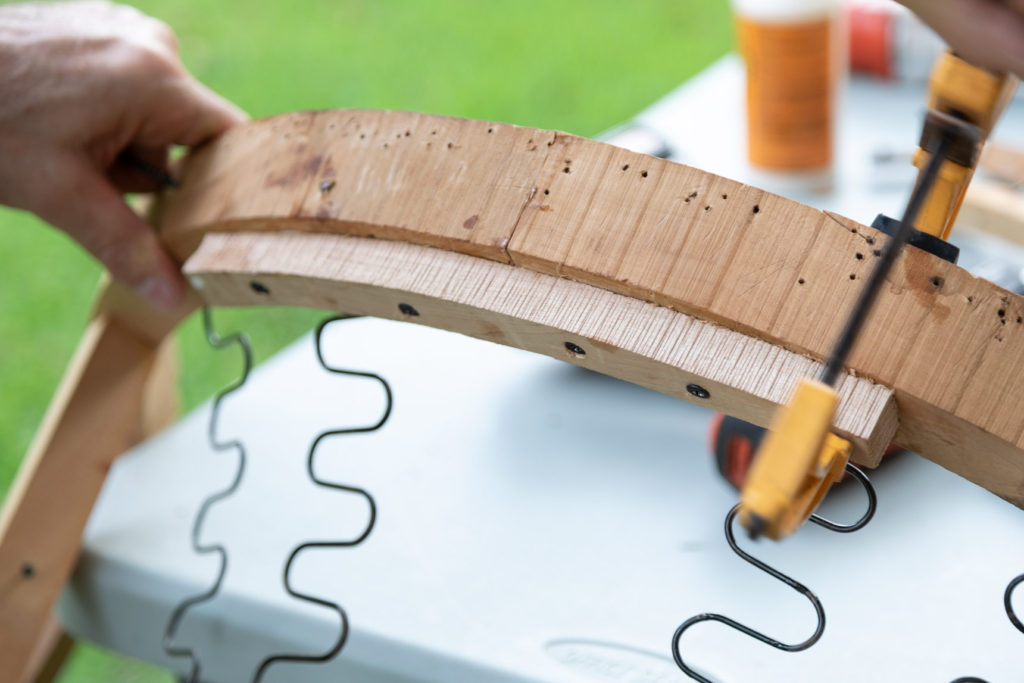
730, 537
343, 617
217, 342
1014, 619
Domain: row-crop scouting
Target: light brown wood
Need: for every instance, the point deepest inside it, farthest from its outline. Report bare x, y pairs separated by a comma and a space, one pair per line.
946, 342
96, 415
620, 336
1003, 163
51, 652
161, 404
996, 209
397, 175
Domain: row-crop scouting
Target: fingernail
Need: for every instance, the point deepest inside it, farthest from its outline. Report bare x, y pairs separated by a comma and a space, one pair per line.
160, 293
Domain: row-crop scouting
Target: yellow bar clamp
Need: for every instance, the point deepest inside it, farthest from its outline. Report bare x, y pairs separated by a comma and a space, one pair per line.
959, 88
797, 463
800, 458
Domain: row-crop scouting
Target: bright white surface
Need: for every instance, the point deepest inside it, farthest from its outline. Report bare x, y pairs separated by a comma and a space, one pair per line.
536, 521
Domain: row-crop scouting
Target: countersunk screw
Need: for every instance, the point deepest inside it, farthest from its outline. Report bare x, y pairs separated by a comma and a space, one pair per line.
698, 391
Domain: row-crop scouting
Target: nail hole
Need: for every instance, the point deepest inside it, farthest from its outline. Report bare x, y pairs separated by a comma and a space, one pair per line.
869, 239
547, 191
970, 299
490, 130
406, 309
937, 281
859, 256
1019, 320
698, 391
626, 167
575, 349
757, 208
1001, 313
258, 287
450, 145
28, 571
725, 196
362, 136
408, 133
565, 170
801, 281
643, 174
853, 276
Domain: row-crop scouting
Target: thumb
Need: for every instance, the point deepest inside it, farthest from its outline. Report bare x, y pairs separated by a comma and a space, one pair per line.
92, 213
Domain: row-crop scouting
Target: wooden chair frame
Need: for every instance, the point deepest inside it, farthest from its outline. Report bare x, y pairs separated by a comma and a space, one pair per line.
648, 270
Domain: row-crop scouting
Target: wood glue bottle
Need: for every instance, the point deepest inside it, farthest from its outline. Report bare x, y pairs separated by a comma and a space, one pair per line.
793, 50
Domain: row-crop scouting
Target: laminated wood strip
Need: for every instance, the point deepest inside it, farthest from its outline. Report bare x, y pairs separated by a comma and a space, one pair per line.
620, 336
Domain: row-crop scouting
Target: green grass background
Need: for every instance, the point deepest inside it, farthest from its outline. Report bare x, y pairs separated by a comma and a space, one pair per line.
576, 65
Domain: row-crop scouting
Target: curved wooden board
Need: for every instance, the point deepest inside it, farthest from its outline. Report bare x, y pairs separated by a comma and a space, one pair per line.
610, 333
947, 343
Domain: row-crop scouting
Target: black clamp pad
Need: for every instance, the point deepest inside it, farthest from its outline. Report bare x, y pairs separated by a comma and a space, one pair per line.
922, 240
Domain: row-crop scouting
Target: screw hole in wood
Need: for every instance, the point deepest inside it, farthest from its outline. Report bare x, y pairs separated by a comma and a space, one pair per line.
575, 349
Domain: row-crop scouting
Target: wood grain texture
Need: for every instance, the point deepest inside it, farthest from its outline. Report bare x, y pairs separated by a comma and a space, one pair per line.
98, 412
94, 418
621, 336
947, 343
397, 175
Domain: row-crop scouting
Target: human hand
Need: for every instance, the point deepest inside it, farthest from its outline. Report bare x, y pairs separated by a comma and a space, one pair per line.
83, 84
988, 33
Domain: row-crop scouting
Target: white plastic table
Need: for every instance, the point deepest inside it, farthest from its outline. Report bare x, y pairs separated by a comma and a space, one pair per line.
538, 522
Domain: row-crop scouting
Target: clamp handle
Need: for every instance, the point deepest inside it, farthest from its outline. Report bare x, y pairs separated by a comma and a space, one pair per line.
799, 460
